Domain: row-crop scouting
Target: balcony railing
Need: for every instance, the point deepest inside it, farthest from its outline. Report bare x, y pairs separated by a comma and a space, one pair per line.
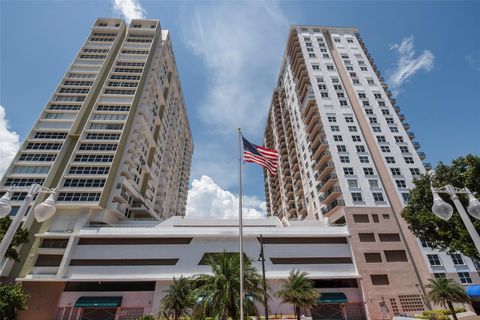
333, 205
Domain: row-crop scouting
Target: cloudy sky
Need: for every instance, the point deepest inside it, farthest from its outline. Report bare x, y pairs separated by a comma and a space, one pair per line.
228, 54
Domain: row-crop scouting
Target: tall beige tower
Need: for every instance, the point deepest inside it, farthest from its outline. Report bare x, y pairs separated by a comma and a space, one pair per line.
346, 157
114, 140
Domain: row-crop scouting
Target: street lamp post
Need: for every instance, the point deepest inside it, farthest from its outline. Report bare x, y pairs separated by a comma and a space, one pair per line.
444, 210
43, 211
262, 259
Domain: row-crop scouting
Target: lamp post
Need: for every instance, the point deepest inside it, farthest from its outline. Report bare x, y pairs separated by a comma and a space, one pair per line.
43, 211
262, 259
444, 210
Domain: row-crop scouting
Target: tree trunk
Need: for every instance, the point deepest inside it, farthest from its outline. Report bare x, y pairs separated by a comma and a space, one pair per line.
452, 310
297, 312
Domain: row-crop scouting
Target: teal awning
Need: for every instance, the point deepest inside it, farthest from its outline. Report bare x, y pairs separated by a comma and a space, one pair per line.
332, 297
98, 302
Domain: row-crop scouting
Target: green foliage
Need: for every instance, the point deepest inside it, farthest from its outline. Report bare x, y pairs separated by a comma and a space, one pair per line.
445, 292
448, 235
218, 294
12, 300
298, 291
20, 237
439, 314
147, 317
179, 299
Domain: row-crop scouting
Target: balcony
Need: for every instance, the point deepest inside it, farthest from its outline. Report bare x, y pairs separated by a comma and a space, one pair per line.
416, 145
401, 116
328, 182
323, 158
422, 155
396, 108
406, 125
428, 166
299, 192
411, 135
319, 150
331, 195
325, 170
327, 210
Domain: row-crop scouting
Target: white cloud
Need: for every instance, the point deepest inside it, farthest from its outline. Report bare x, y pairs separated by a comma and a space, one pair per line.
9, 142
407, 65
129, 9
206, 199
473, 59
241, 45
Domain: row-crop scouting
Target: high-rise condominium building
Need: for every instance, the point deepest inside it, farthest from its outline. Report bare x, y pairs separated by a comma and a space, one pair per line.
114, 140
346, 156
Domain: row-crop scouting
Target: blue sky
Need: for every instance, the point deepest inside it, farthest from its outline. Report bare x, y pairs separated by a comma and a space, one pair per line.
228, 55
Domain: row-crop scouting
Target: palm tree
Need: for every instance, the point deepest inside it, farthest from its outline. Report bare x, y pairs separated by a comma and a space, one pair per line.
218, 292
179, 300
445, 292
298, 291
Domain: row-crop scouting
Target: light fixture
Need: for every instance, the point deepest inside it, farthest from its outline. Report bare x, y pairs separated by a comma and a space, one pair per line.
441, 209
46, 209
473, 205
5, 207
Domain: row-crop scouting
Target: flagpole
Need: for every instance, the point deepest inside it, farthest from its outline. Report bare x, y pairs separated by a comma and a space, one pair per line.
240, 222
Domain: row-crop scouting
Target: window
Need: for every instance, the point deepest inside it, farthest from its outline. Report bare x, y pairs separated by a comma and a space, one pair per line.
366, 237
22, 182
401, 183
78, 196
344, 159
352, 128
408, 160
364, 159
425, 244
330, 68
434, 260
373, 183
335, 128
98, 146
370, 82
390, 120
368, 111
368, 171
398, 139
396, 171
357, 197
315, 67
50, 135
440, 275
362, 95
390, 159
376, 129
343, 102
395, 255
31, 169
40, 157
93, 158
332, 119
373, 120
360, 148
88, 170
403, 149
352, 183
464, 277
43, 146
415, 171
405, 197
457, 259
372, 257
84, 183
312, 55
113, 108
375, 218
389, 237
337, 138
378, 196
385, 149
349, 119
379, 279
361, 218
324, 94
365, 103
348, 171
394, 129
381, 139
356, 139
341, 148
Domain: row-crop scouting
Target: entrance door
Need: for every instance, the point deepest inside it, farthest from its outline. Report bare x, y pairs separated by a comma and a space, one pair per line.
327, 311
98, 314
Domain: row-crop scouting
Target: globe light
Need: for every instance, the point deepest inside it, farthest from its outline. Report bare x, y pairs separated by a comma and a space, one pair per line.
473, 205
5, 207
46, 209
441, 209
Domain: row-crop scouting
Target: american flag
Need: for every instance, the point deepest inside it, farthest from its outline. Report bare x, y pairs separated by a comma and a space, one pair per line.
267, 158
